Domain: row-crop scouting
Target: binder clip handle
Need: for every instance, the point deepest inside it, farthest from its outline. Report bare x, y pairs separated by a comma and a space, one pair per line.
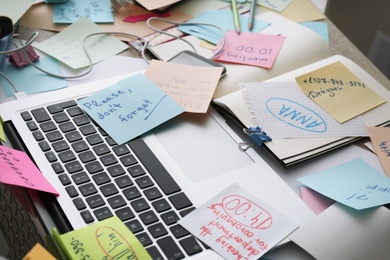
256, 135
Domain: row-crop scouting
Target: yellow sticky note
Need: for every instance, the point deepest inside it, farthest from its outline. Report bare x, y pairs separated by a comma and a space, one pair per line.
38, 252
380, 139
2, 134
339, 92
107, 239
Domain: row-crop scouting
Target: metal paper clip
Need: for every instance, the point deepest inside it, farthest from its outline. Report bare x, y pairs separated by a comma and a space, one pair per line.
18, 58
256, 135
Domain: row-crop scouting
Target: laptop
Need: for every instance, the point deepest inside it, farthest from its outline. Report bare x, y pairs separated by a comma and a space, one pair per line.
150, 182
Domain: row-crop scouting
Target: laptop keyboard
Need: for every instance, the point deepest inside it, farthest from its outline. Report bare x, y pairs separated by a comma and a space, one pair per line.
105, 179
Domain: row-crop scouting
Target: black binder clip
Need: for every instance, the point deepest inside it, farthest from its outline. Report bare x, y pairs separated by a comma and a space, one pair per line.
256, 135
18, 58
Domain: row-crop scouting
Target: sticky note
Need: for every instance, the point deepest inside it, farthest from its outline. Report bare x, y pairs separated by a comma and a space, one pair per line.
190, 86
380, 139
106, 239
130, 108
277, 5
16, 168
2, 134
251, 48
354, 183
238, 225
38, 252
339, 92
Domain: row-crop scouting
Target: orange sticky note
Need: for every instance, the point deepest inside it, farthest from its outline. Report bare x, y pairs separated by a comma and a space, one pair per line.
38, 252
380, 138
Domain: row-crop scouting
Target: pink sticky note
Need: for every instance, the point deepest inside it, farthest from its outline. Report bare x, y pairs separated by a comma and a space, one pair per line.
253, 49
16, 168
144, 17
316, 201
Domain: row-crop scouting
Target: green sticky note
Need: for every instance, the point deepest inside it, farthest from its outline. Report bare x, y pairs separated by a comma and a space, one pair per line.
2, 135
107, 239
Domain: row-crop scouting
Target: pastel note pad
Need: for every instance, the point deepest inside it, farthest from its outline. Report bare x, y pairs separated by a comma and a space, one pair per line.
380, 139
2, 134
221, 18
283, 111
16, 168
106, 239
130, 108
238, 225
316, 201
144, 17
339, 92
277, 5
98, 11
67, 45
32, 81
253, 49
321, 28
355, 184
190, 86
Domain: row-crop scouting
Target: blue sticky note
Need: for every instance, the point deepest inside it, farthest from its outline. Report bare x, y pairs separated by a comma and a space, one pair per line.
220, 18
321, 28
30, 80
355, 184
98, 11
130, 108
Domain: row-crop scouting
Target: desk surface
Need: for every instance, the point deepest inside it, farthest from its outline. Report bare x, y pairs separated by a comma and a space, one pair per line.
339, 44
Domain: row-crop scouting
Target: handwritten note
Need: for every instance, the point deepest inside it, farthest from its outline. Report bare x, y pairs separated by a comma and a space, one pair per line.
98, 11
107, 239
251, 49
130, 108
66, 46
238, 225
16, 168
190, 86
380, 139
355, 184
221, 18
339, 92
283, 111
277, 5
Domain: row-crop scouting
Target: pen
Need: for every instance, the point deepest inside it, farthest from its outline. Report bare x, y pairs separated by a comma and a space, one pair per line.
252, 14
235, 16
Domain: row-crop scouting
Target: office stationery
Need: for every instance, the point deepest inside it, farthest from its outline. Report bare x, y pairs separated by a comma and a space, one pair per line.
161, 160
40, 16
192, 87
157, 5
316, 201
30, 80
380, 140
18, 169
252, 14
135, 104
283, 111
254, 49
98, 11
38, 252
108, 239
339, 92
144, 17
2, 135
237, 224
236, 17
67, 46
277, 5
221, 18
319, 27
354, 183
344, 232
195, 8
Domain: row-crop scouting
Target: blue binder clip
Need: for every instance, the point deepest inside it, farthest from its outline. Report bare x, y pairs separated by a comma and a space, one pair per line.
256, 135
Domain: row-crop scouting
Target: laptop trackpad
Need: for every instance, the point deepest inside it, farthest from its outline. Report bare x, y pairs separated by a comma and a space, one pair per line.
201, 147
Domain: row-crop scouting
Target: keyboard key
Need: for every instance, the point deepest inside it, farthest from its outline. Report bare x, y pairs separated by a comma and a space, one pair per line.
61, 106
170, 248
116, 201
87, 216
101, 178
95, 201
136, 171
73, 167
109, 189
67, 156
190, 245
57, 167
128, 160
38, 136
135, 226
87, 156
180, 201
110, 141
81, 120
116, 170
64, 179
185, 212
88, 189
140, 205
144, 182
60, 146
123, 182
54, 136
144, 239
40, 115
80, 146
48, 126
170, 217
87, 130
44, 146
157, 230
161, 205
79, 203
32, 126
60, 117
51, 157
101, 149
132, 193
80, 178
72, 192
121, 150
108, 160
73, 136
67, 127
125, 214
152, 193
154, 253
148, 217
75, 111
94, 167
94, 139
178, 231
103, 213
26, 116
